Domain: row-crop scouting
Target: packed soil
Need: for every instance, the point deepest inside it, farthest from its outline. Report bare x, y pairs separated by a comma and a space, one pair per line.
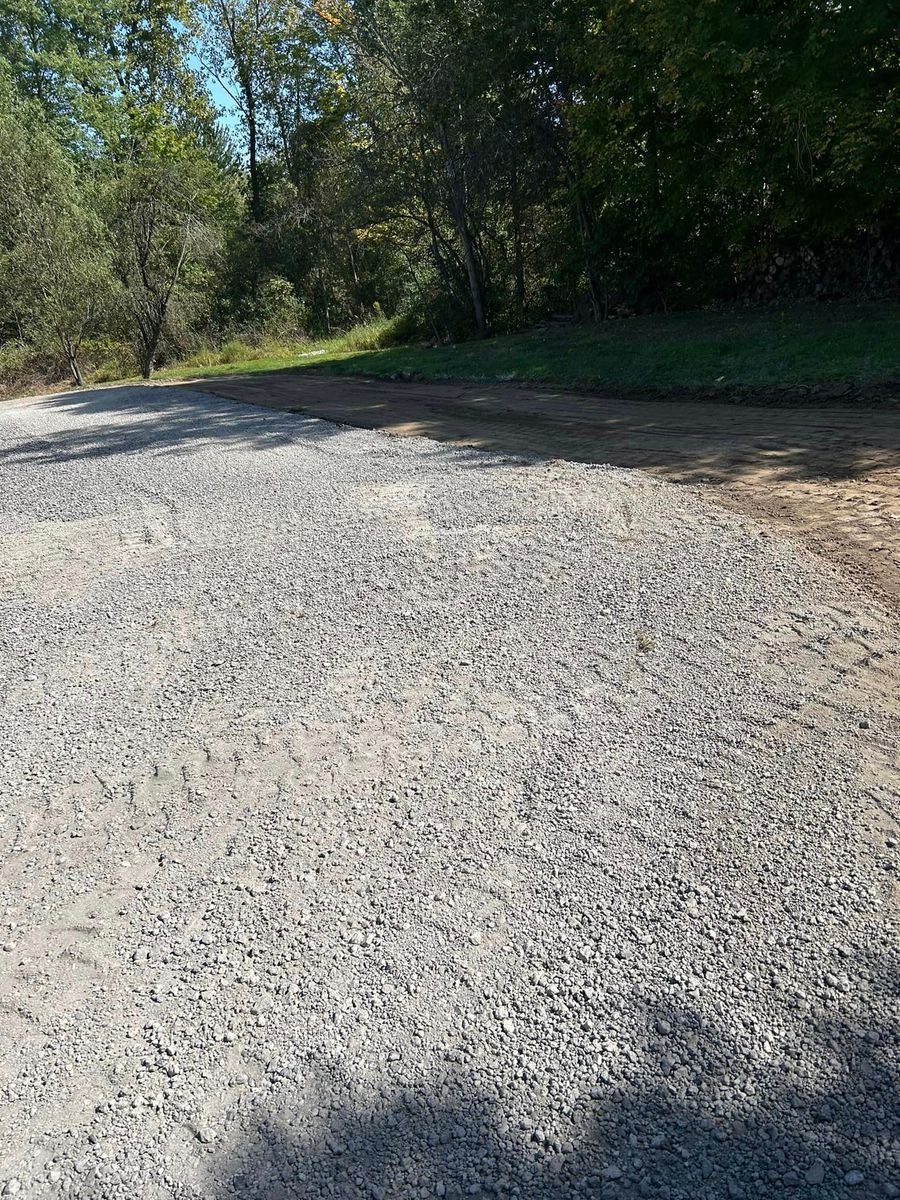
829, 475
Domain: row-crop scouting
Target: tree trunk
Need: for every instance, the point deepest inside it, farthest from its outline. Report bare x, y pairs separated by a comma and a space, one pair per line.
437, 249
586, 232
148, 351
243, 58
459, 212
465, 239
255, 203
70, 348
75, 368
149, 331
357, 287
518, 249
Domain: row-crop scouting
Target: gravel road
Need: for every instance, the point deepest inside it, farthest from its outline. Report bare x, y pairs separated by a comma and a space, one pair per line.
389, 820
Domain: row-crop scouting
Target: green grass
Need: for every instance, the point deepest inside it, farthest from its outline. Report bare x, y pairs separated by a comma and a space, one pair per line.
237, 356
818, 345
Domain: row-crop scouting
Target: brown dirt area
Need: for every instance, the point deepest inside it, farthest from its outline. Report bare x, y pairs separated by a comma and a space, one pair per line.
828, 475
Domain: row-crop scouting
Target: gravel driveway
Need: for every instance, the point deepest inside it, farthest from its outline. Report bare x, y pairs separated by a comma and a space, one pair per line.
389, 820
827, 476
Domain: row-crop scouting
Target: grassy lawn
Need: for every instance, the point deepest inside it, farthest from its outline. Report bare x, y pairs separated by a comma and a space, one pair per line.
822, 344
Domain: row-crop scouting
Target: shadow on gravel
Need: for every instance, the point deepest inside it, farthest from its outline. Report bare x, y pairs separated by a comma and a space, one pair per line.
682, 442
156, 420
714, 1123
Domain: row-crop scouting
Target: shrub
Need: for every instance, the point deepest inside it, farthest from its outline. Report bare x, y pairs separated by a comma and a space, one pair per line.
106, 360
28, 368
279, 312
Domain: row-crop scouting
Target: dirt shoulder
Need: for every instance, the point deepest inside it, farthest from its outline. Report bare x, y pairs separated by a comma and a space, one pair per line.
830, 475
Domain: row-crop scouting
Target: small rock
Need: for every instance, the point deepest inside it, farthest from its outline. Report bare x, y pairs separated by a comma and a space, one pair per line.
853, 1178
816, 1173
611, 1172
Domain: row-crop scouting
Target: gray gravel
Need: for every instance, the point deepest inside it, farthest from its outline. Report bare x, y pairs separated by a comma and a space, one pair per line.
384, 819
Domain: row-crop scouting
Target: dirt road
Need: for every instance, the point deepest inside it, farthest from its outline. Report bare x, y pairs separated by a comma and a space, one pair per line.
388, 820
829, 475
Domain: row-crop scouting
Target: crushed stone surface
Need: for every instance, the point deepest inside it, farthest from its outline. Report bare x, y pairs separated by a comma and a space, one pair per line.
388, 820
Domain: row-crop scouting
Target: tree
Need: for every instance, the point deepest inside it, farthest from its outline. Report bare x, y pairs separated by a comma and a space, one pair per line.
57, 54
55, 266
424, 57
168, 218
238, 36
463, 166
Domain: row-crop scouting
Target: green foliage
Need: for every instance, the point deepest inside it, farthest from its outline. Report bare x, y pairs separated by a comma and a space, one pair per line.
21, 367
743, 125
56, 280
749, 350
236, 352
376, 334
166, 215
839, 344
115, 178
463, 167
278, 311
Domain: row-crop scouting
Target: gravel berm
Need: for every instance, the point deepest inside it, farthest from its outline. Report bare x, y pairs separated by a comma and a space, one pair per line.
388, 820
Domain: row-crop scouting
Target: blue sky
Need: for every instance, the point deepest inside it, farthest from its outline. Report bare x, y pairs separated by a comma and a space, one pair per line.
228, 114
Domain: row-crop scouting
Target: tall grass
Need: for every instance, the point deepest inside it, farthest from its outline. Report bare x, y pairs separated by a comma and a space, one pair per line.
370, 335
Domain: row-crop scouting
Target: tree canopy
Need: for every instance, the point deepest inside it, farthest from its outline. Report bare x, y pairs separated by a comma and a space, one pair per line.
179, 171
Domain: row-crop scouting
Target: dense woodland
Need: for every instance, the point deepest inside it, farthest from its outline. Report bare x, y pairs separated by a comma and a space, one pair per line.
173, 174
